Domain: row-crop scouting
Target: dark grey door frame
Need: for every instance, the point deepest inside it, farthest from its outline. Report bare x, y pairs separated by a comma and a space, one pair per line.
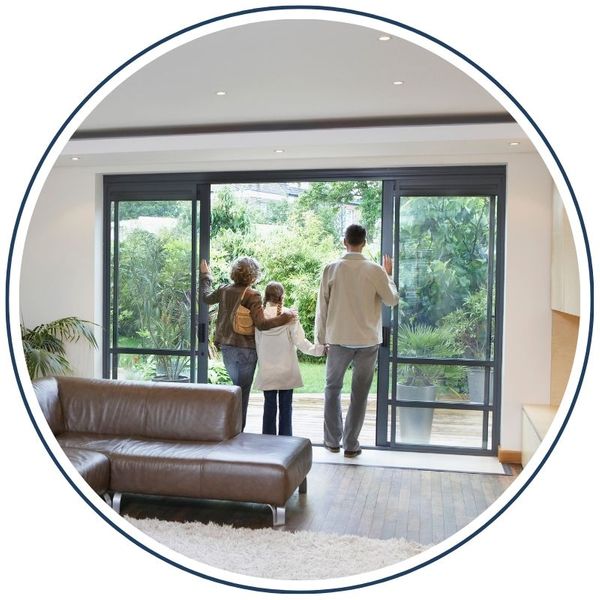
447, 181
476, 181
171, 189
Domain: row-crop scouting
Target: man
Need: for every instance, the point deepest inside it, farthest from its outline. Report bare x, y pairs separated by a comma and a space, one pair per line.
348, 322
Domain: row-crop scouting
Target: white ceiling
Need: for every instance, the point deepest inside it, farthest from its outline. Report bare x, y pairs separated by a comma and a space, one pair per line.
290, 70
299, 70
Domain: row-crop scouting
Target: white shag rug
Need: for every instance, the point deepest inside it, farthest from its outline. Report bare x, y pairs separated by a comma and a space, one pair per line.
277, 554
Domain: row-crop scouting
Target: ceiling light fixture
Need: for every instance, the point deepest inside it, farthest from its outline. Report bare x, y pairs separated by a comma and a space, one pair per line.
221, 93
514, 143
384, 38
279, 151
75, 158
398, 82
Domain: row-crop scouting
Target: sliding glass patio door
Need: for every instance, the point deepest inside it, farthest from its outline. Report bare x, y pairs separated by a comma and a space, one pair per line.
153, 236
438, 387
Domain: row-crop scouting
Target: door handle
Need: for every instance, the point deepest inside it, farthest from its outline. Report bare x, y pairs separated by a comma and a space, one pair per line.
202, 333
386, 337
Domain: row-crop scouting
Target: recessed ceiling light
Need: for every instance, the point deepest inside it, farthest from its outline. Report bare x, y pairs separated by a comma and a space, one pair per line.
279, 151
384, 38
398, 82
221, 93
75, 158
514, 143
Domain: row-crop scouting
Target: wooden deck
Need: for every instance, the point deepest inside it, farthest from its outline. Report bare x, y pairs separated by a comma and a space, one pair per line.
450, 427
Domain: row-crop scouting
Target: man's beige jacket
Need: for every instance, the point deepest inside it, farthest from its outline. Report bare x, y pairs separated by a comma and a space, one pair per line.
349, 304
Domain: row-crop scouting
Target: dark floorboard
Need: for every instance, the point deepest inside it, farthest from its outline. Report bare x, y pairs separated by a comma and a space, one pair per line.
377, 502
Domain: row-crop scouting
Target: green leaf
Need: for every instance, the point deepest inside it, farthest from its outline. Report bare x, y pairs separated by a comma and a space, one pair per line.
44, 347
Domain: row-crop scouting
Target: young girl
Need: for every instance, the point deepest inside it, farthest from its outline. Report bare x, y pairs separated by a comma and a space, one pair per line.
278, 369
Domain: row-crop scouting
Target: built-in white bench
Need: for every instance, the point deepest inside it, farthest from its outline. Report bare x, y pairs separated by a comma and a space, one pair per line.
537, 419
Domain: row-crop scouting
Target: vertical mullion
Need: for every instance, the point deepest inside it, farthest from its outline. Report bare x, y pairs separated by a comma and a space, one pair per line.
383, 382
490, 296
203, 196
500, 201
193, 291
486, 413
115, 299
491, 272
394, 361
106, 285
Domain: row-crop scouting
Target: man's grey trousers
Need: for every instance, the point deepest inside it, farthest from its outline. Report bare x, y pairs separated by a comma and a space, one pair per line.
363, 362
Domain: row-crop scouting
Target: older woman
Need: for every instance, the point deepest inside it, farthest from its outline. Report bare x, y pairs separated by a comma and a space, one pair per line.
239, 351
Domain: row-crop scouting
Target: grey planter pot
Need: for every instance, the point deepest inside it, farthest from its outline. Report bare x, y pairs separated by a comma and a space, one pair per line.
476, 383
167, 379
415, 423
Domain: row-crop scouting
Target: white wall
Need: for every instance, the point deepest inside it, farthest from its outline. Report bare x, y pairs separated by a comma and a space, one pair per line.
565, 271
527, 312
61, 272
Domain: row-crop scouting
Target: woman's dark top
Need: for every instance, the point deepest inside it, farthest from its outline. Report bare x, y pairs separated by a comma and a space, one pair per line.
228, 296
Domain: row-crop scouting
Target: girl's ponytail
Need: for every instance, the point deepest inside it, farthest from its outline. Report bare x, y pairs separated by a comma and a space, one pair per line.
274, 294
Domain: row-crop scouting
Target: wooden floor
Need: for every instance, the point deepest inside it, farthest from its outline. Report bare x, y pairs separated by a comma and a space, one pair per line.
377, 502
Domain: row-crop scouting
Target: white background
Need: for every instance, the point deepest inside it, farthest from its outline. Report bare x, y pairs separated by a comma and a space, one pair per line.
54, 53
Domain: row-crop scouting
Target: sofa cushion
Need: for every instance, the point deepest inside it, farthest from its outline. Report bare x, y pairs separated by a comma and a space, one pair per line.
257, 468
203, 412
248, 468
169, 468
149, 409
163, 467
93, 441
46, 391
94, 467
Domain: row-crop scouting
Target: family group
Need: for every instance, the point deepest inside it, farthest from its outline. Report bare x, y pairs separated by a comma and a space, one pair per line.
253, 332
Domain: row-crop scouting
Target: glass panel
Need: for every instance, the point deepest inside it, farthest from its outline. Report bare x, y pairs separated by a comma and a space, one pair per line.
443, 276
490, 423
439, 427
293, 230
445, 259
154, 274
442, 383
150, 367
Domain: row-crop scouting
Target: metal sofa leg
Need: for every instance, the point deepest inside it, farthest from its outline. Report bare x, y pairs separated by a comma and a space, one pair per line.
116, 502
303, 487
278, 515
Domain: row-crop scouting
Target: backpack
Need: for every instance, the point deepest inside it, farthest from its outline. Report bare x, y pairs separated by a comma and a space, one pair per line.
242, 318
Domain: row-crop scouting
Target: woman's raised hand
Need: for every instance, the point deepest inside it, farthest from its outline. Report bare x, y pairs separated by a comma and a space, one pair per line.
204, 268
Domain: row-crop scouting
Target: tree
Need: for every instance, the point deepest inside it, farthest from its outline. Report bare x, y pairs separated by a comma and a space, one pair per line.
229, 214
443, 254
154, 294
330, 200
147, 208
295, 257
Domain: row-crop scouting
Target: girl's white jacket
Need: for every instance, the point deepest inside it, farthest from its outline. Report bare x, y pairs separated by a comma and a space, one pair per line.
277, 360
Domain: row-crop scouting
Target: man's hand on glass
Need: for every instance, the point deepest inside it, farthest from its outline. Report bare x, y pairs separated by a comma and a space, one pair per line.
387, 264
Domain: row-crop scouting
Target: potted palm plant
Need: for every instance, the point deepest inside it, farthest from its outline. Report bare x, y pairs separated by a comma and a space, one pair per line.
468, 325
166, 325
419, 382
44, 345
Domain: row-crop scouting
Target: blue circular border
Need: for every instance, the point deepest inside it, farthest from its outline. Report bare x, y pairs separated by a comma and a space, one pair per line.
272, 9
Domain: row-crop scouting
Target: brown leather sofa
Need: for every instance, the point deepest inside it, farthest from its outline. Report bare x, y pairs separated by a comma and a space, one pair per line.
181, 440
